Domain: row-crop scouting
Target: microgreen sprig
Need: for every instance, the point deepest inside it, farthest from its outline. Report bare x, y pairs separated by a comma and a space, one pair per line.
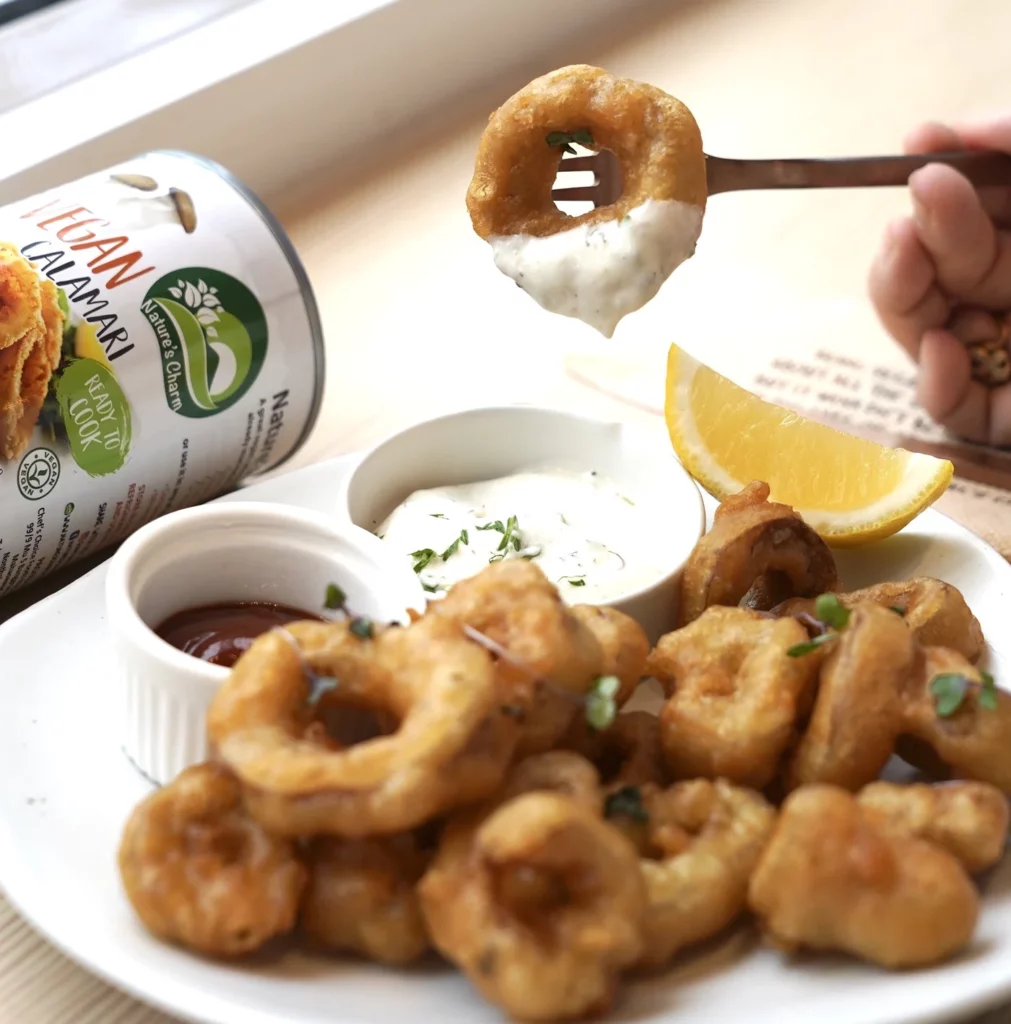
600, 705
626, 803
565, 140
363, 628
829, 613
334, 599
950, 689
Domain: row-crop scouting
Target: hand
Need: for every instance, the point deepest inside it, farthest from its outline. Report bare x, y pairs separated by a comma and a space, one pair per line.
955, 250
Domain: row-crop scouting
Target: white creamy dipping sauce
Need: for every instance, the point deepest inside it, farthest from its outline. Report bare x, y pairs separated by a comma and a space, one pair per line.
600, 272
587, 535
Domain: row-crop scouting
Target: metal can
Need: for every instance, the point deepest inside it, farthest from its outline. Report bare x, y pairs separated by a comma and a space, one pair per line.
159, 342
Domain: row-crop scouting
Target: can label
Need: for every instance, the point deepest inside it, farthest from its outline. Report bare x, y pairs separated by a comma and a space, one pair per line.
157, 345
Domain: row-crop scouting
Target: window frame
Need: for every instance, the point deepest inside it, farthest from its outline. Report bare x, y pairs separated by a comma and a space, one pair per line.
332, 81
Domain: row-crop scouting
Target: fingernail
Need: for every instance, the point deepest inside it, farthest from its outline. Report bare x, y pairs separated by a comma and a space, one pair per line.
922, 214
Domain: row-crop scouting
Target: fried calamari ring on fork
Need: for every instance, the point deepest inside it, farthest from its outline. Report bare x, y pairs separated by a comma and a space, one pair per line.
656, 219
974, 742
703, 840
757, 547
734, 694
624, 643
858, 712
452, 746
628, 752
653, 135
553, 657
362, 897
200, 872
969, 819
541, 905
936, 612
831, 879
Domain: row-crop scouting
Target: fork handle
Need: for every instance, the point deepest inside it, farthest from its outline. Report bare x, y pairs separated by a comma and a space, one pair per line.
981, 167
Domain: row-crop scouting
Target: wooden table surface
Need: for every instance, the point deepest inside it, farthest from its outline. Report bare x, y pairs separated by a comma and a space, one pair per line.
418, 320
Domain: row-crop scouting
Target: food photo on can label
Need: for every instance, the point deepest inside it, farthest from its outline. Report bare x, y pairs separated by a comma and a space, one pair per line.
672, 688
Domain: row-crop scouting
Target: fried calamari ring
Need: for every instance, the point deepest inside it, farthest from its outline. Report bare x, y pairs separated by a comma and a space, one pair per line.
936, 612
734, 694
972, 743
452, 746
553, 657
968, 819
755, 546
624, 643
704, 840
830, 879
663, 174
627, 753
556, 771
200, 872
859, 711
540, 905
362, 897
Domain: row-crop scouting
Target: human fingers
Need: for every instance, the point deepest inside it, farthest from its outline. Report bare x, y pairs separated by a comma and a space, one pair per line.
972, 259
934, 137
952, 398
903, 287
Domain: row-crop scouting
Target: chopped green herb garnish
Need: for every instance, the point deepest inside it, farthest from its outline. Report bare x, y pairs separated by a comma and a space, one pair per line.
335, 597
318, 688
510, 535
949, 690
430, 587
600, 706
799, 650
497, 525
574, 581
897, 609
626, 803
455, 546
422, 557
830, 610
362, 627
436, 515
566, 139
628, 501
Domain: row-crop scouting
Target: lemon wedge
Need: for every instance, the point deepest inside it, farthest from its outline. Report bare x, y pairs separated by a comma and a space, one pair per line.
852, 491
87, 345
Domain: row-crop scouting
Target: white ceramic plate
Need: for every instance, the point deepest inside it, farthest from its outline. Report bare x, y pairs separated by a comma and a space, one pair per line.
66, 789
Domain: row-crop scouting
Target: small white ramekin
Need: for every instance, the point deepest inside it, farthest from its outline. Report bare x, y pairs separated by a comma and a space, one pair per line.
482, 444
241, 551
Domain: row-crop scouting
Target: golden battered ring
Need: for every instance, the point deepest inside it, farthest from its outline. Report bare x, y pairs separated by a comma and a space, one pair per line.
653, 135
452, 746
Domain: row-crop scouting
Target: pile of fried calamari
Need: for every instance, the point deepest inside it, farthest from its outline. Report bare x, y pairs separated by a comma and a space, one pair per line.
31, 336
508, 814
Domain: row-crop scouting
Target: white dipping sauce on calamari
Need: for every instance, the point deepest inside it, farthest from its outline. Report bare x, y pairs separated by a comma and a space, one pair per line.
600, 272
586, 534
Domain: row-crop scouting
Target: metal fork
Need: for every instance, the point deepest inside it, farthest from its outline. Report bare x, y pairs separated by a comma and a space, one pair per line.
981, 167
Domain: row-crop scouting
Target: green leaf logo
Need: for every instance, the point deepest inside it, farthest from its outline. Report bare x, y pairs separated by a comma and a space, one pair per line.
212, 333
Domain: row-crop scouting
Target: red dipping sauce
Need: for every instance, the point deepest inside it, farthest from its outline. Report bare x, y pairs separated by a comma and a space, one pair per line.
221, 633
